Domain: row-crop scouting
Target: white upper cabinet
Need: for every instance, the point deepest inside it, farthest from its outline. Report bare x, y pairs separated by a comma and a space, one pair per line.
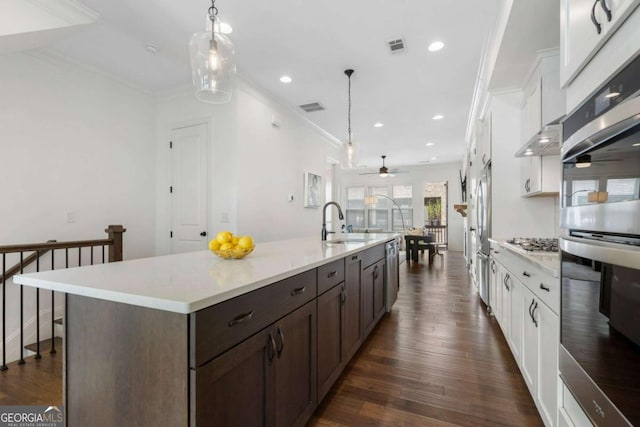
585, 26
540, 176
543, 103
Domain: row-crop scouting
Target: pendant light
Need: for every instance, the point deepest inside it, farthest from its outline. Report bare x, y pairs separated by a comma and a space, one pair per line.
213, 65
350, 155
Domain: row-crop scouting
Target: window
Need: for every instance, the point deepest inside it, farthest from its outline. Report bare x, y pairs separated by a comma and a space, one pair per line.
403, 196
378, 212
621, 189
581, 189
371, 208
355, 207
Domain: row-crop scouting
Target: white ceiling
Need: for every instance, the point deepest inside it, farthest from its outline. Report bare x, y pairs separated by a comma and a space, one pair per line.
314, 42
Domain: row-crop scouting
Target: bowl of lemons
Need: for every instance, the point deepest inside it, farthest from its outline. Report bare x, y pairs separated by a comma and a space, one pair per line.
228, 246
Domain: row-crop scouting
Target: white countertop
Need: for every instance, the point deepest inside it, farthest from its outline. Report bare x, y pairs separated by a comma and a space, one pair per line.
547, 260
185, 283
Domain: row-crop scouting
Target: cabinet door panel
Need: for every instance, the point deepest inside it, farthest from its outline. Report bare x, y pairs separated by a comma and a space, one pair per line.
368, 314
378, 291
579, 36
548, 363
240, 382
530, 327
295, 375
352, 303
515, 328
330, 335
506, 304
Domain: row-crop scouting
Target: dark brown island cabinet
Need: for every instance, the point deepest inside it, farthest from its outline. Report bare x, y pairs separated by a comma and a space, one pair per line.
265, 358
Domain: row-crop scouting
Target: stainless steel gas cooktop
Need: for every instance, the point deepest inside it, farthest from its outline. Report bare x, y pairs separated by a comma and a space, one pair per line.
535, 244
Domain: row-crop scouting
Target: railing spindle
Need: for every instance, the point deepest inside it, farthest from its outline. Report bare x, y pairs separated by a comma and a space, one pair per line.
4, 317
91, 248
37, 356
79, 256
21, 361
66, 257
103, 254
53, 309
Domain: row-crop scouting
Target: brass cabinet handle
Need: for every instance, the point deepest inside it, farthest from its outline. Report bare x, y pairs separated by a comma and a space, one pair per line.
241, 318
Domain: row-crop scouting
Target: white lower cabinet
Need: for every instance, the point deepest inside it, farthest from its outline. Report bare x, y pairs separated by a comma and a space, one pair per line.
539, 364
515, 328
531, 328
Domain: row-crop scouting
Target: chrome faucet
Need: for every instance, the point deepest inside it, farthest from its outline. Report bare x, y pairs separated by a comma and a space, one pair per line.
324, 217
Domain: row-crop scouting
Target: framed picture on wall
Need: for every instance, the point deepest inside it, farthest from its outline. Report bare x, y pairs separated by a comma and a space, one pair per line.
312, 188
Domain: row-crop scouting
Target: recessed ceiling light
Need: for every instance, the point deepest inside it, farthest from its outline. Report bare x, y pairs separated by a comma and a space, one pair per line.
378, 125
438, 117
637, 144
435, 46
151, 48
612, 95
285, 79
434, 158
225, 28
544, 140
429, 144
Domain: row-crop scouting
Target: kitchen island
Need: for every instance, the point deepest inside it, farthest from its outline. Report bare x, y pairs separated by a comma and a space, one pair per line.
191, 339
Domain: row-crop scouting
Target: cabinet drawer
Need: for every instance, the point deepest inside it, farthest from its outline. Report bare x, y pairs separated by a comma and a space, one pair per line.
372, 255
218, 328
542, 284
330, 275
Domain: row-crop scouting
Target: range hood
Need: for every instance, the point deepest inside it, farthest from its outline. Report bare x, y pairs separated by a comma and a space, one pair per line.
544, 143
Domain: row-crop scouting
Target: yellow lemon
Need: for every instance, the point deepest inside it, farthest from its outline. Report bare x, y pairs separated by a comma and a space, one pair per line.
224, 237
245, 242
234, 241
226, 246
214, 245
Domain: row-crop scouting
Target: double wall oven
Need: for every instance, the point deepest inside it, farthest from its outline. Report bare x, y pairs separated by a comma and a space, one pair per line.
600, 252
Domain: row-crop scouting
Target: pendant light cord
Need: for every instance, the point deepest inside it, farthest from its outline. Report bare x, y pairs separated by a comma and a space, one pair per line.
349, 73
213, 10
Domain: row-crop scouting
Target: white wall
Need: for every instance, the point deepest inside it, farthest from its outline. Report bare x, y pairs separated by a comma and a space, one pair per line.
72, 140
417, 177
254, 166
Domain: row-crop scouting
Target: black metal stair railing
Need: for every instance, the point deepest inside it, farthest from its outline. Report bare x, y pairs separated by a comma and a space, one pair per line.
37, 251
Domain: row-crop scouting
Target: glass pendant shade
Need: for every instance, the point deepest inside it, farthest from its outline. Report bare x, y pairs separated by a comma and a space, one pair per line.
213, 65
349, 155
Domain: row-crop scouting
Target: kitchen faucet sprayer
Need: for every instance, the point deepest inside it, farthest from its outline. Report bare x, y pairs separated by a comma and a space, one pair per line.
324, 217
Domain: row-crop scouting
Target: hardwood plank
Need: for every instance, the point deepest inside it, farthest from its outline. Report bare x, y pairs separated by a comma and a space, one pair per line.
438, 359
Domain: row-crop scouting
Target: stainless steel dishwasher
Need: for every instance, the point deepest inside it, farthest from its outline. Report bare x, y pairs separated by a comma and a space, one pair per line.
392, 274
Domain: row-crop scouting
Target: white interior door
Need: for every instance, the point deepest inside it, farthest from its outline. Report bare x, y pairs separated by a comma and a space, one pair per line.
188, 189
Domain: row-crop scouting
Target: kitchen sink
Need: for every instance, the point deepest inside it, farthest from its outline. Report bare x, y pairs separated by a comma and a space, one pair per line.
338, 241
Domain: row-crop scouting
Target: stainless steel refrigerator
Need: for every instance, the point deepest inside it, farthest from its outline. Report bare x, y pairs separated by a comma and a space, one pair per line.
483, 212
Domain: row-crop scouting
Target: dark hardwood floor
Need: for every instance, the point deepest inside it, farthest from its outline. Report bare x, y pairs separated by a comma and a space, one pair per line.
436, 360
37, 382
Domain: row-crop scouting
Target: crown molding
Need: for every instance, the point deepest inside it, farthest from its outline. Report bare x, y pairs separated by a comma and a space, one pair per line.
72, 12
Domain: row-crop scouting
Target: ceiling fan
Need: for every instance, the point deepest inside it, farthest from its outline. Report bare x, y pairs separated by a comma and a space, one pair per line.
384, 171
584, 161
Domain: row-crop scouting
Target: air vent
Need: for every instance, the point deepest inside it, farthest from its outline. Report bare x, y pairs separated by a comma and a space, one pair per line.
396, 45
311, 107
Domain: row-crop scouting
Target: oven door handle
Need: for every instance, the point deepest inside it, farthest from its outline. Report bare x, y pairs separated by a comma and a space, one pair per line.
610, 253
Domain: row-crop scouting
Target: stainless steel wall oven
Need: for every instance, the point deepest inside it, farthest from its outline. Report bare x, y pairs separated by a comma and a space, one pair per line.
600, 252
